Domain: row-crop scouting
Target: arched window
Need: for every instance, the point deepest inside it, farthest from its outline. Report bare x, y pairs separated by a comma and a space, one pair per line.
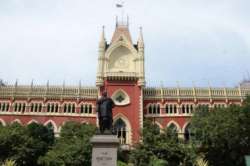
171, 109
90, 109
23, 108
173, 129
50, 126
175, 109
154, 109
3, 108
52, 107
40, 108
150, 109
158, 109
56, 108
73, 108
183, 109
69, 108
65, 108
120, 129
187, 109
15, 107
36, 107
166, 109
191, 108
48, 107
82, 109
187, 132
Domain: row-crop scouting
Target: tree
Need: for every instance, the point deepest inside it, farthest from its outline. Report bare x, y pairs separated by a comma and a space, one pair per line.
163, 148
73, 147
224, 134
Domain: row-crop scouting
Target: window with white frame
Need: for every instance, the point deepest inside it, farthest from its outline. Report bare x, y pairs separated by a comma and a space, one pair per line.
86, 109
69, 108
219, 105
187, 108
36, 107
4, 106
171, 109
19, 107
53, 107
154, 109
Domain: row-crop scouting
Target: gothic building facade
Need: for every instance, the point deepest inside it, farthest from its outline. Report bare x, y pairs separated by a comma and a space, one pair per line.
121, 73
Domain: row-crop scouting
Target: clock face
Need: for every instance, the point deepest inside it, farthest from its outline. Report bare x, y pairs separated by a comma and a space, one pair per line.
121, 60
122, 63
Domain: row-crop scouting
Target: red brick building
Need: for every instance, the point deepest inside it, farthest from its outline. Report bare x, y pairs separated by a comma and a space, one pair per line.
121, 73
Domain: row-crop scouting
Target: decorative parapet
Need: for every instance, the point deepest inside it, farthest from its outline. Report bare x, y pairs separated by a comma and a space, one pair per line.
50, 92
121, 75
192, 93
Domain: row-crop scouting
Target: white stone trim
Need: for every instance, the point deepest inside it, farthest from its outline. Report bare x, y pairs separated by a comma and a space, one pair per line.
184, 126
126, 96
3, 122
128, 125
53, 123
17, 121
176, 124
32, 121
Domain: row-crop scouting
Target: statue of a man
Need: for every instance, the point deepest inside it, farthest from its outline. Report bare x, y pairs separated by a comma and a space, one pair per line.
104, 107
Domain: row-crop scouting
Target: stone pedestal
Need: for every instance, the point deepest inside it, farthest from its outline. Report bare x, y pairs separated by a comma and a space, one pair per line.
104, 152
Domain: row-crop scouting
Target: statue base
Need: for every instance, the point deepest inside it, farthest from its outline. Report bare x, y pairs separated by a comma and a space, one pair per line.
104, 152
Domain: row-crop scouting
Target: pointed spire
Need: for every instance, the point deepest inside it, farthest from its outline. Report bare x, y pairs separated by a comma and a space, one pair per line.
140, 39
47, 84
102, 39
32, 83
121, 30
16, 83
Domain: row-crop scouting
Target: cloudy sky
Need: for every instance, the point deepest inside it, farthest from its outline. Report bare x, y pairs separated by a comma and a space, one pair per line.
189, 41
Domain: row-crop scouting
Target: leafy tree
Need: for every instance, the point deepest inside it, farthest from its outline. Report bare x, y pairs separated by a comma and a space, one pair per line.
223, 133
73, 147
161, 148
24, 144
9, 163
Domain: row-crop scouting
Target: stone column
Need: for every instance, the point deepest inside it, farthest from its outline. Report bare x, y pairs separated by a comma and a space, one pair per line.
104, 152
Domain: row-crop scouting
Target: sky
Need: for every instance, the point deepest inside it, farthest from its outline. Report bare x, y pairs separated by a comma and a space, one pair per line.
187, 42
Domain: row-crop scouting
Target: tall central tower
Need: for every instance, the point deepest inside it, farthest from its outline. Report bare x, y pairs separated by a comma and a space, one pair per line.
121, 73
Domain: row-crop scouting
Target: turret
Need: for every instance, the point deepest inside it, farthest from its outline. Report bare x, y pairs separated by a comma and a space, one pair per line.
140, 45
140, 41
101, 58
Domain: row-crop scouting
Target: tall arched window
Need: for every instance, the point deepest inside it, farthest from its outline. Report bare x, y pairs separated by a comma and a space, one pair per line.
187, 132
183, 109
158, 109
120, 129
175, 109
166, 109
150, 109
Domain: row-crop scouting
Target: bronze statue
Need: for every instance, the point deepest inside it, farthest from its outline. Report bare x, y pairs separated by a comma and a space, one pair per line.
104, 107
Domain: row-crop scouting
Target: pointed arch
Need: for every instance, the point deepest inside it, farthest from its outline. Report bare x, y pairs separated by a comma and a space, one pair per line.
2, 122
184, 126
172, 122
128, 129
159, 125
186, 131
17, 121
52, 123
124, 43
120, 97
32, 121
84, 122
